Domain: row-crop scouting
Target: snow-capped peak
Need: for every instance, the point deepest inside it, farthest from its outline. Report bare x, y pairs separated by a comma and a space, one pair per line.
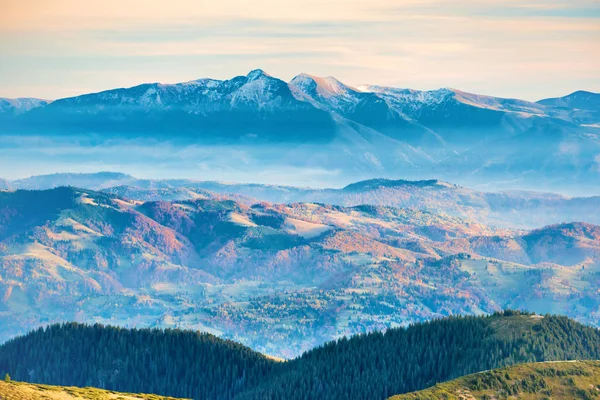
258, 88
365, 88
324, 92
256, 73
21, 104
324, 86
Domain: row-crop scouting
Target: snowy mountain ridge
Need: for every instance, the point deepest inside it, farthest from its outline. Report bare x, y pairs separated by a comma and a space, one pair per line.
265, 91
319, 125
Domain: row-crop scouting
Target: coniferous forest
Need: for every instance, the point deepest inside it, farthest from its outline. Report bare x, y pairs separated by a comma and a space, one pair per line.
370, 366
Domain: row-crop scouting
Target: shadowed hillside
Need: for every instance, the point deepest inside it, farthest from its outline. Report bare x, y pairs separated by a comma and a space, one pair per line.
171, 362
371, 366
378, 365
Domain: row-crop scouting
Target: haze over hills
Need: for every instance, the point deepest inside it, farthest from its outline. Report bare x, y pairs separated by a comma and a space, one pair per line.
280, 278
510, 209
372, 366
319, 129
95, 181
581, 105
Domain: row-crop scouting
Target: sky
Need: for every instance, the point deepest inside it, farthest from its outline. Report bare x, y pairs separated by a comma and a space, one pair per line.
525, 49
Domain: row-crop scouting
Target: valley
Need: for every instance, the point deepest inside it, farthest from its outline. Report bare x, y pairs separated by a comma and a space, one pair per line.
281, 278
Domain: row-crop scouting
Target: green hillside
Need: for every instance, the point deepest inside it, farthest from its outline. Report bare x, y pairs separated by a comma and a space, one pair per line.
549, 380
369, 366
168, 362
379, 365
26, 391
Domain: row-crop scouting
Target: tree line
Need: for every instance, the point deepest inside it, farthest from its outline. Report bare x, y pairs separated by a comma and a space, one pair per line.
368, 366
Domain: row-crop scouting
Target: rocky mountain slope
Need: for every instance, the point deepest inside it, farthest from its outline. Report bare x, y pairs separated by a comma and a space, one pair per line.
14, 107
581, 106
207, 110
268, 274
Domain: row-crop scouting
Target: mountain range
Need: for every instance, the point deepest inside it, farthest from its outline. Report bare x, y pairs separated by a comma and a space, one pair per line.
281, 278
381, 214
321, 124
507, 209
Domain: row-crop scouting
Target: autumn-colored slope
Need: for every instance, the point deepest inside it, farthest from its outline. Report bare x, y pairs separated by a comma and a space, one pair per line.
302, 273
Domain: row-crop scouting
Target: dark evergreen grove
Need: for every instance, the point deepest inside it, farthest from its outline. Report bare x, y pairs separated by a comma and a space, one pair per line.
180, 363
370, 366
379, 365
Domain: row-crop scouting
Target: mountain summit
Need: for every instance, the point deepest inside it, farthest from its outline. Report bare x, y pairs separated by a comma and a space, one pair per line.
319, 124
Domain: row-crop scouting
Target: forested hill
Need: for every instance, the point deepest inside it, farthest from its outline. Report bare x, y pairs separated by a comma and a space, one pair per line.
169, 362
371, 366
379, 365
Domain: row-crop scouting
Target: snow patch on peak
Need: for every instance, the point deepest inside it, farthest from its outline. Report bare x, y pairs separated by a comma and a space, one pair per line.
366, 88
305, 82
524, 108
21, 104
204, 82
422, 97
151, 97
324, 86
256, 74
260, 89
331, 85
326, 93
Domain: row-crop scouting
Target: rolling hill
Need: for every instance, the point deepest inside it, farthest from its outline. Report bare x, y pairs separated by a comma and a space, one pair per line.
280, 278
511, 209
557, 380
374, 366
521, 210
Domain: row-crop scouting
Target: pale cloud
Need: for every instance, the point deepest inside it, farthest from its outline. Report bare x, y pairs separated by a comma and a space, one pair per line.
64, 15
513, 48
